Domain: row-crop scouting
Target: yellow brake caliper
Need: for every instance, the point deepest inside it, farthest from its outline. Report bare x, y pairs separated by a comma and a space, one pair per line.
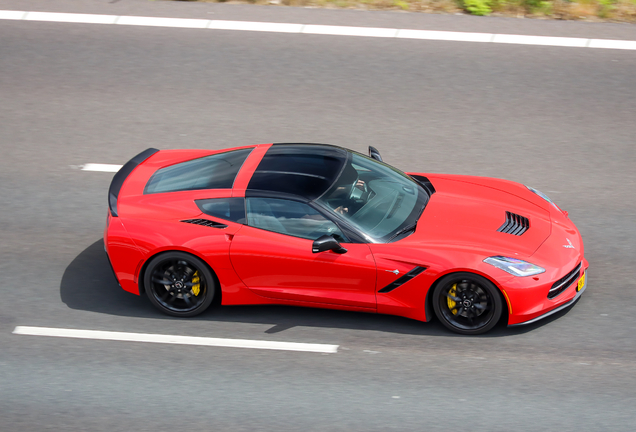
451, 302
196, 285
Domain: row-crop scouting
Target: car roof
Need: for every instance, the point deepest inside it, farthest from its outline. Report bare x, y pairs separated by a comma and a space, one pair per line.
306, 170
303, 170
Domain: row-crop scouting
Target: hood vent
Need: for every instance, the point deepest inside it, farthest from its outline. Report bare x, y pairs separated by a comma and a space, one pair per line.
205, 222
515, 224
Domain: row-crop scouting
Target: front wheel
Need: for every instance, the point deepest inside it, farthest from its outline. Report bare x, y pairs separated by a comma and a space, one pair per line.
179, 284
467, 303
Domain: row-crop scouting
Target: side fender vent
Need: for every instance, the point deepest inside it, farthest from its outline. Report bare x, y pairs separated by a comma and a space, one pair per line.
515, 224
205, 222
402, 280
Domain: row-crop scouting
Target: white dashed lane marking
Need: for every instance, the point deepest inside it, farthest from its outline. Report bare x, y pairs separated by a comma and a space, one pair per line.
100, 167
319, 29
175, 340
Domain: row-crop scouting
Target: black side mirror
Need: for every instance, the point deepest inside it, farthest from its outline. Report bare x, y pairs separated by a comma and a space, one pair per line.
327, 243
374, 154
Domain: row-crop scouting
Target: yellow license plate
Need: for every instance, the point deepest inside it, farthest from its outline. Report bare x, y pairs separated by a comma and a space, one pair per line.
581, 283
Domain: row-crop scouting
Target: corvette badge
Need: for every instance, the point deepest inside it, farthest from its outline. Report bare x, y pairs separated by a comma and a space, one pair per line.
569, 245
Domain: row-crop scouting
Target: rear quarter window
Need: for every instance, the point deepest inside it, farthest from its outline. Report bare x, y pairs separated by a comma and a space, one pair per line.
217, 171
232, 209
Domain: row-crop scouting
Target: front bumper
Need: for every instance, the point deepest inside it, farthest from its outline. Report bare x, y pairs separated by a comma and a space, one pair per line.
558, 308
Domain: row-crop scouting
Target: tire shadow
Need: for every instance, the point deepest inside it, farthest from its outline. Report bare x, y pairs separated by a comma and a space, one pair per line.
88, 284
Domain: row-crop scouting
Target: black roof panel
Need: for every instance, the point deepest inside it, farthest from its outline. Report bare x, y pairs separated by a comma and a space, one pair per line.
306, 170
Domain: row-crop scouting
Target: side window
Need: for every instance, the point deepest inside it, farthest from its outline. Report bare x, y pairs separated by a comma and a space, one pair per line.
232, 209
290, 217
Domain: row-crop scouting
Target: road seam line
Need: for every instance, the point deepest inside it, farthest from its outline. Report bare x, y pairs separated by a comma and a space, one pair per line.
175, 339
315, 29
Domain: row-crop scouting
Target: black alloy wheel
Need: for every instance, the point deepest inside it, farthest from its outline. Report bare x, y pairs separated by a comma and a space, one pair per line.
179, 284
467, 303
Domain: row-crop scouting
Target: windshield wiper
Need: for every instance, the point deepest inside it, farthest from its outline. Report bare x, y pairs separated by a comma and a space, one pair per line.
403, 231
408, 228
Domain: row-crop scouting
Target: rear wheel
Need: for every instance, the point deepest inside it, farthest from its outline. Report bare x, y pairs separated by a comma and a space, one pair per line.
467, 303
179, 284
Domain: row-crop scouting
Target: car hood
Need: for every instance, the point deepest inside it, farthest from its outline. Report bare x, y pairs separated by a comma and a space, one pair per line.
466, 212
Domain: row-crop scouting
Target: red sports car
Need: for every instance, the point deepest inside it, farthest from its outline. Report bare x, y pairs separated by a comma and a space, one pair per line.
322, 226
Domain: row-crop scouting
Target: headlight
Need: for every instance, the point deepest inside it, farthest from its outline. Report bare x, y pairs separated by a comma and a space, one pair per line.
514, 266
544, 196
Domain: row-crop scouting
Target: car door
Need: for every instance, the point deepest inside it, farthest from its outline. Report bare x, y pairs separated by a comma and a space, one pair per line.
273, 256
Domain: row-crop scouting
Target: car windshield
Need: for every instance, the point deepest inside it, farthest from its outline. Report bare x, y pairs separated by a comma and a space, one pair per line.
380, 201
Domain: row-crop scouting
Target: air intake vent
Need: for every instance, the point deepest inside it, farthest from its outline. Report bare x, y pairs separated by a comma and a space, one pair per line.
205, 222
402, 280
425, 182
515, 224
562, 284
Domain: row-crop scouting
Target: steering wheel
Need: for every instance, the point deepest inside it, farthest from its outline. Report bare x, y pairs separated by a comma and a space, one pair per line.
357, 193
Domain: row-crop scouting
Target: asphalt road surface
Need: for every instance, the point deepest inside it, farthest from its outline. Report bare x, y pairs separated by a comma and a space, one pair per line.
559, 119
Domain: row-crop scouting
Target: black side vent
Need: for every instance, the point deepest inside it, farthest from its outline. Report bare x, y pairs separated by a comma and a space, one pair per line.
205, 222
515, 224
404, 279
562, 284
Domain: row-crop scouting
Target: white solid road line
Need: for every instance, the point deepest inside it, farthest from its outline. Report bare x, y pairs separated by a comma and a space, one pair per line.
161, 22
176, 340
350, 31
70, 18
319, 29
445, 36
255, 26
541, 40
101, 167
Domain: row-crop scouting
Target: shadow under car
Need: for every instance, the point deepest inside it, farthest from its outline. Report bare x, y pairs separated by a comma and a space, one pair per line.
88, 284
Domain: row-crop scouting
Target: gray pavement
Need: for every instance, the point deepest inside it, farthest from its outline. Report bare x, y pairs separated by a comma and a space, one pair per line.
559, 119
271, 13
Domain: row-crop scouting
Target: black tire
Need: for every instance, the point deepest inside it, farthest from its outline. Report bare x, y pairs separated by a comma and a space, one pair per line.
179, 284
467, 303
